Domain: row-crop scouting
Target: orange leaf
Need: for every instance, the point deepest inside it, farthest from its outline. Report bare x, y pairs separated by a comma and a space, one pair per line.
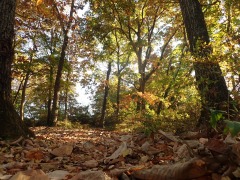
39, 2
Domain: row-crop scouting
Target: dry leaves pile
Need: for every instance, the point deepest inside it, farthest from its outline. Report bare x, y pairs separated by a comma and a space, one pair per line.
97, 154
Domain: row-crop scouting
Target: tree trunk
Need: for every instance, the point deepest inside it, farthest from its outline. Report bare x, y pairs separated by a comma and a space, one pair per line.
210, 81
118, 95
55, 105
18, 91
66, 97
11, 125
142, 80
141, 101
50, 88
57, 85
24, 88
104, 106
51, 71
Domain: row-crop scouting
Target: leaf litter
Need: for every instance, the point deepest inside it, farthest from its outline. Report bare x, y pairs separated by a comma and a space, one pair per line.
57, 153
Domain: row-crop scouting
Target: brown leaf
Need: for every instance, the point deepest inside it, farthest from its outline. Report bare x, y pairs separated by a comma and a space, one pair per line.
91, 175
34, 155
30, 175
58, 174
64, 150
217, 145
194, 168
91, 163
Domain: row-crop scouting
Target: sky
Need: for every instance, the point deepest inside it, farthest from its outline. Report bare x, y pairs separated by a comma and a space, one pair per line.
83, 98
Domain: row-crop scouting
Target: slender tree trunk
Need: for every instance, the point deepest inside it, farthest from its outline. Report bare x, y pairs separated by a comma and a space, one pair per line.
51, 81
118, 76
141, 102
66, 106
11, 125
55, 105
66, 98
118, 95
104, 106
142, 80
50, 89
210, 81
18, 91
57, 85
24, 88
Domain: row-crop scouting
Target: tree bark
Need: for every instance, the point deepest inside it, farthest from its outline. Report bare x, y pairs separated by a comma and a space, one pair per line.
55, 104
51, 81
66, 96
24, 88
50, 89
104, 106
210, 81
118, 95
11, 125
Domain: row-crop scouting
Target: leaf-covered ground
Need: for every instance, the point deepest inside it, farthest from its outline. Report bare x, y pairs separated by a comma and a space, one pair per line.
58, 153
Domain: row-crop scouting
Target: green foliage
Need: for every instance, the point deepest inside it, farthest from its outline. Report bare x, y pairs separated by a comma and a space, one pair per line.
68, 124
151, 124
232, 127
216, 116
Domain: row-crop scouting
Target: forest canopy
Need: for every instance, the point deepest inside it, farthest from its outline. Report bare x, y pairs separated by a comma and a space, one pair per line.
135, 60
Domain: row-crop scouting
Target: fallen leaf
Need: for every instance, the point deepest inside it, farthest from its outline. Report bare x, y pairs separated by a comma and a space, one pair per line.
183, 152
64, 150
91, 175
203, 140
122, 148
218, 146
58, 174
34, 155
188, 170
91, 163
30, 175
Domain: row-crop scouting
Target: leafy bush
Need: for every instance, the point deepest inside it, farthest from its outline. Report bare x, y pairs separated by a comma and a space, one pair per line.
68, 124
232, 127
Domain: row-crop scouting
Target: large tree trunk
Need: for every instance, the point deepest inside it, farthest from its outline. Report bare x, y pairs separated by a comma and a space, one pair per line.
210, 81
104, 105
11, 125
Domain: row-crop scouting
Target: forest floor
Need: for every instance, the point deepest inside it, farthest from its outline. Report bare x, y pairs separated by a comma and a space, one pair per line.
89, 154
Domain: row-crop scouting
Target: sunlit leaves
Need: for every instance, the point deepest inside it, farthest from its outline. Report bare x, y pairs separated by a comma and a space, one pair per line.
39, 2
216, 115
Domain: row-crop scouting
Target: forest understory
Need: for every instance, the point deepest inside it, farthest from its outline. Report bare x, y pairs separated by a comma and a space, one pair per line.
89, 154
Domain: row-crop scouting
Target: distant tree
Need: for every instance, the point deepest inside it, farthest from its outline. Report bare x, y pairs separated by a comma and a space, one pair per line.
65, 29
106, 90
11, 125
139, 24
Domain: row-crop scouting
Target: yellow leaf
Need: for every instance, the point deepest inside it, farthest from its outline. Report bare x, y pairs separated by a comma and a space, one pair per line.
39, 2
